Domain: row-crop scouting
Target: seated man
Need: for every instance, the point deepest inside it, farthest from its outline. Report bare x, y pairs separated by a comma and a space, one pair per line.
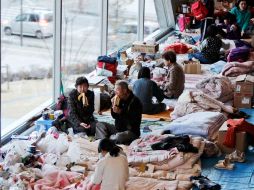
81, 108
127, 112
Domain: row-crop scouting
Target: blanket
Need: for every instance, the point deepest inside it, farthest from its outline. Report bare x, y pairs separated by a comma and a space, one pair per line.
54, 180
205, 124
219, 88
234, 69
192, 101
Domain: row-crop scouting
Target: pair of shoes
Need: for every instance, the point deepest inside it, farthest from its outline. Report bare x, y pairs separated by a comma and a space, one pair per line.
224, 164
203, 183
235, 156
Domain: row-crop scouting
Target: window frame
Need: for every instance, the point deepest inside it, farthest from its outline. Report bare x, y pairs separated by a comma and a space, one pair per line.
166, 21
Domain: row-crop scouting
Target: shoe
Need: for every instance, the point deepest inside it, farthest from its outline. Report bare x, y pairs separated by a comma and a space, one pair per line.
237, 156
224, 164
203, 183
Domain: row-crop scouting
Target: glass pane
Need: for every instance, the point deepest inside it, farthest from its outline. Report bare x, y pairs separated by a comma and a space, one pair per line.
26, 62
80, 39
122, 23
151, 21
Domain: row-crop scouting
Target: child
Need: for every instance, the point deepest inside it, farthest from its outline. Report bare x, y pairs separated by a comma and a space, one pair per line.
209, 48
112, 169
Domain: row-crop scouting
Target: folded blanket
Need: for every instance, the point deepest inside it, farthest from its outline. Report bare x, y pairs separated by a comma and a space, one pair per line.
203, 124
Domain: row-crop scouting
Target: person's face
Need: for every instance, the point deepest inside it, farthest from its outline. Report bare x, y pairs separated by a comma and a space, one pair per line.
243, 5
167, 63
82, 88
120, 92
226, 22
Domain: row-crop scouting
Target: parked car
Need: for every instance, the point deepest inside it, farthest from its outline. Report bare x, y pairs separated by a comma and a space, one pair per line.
38, 23
131, 27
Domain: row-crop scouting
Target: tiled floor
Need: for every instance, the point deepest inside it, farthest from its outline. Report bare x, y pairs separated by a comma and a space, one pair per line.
241, 178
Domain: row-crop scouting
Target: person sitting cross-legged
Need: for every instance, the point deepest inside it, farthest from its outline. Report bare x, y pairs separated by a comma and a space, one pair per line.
127, 112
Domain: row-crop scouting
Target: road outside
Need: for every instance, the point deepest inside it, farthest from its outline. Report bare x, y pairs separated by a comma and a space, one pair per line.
26, 70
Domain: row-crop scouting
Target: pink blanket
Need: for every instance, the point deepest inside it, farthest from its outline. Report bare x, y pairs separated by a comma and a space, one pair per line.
55, 180
234, 69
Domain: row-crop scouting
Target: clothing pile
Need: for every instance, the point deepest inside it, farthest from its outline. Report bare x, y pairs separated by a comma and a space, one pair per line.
163, 153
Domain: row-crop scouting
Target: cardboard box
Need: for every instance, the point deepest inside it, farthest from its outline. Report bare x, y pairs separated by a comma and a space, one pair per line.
192, 67
245, 85
242, 101
241, 140
143, 47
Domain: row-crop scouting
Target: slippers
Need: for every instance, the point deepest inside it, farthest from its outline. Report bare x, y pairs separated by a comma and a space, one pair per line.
225, 164
235, 156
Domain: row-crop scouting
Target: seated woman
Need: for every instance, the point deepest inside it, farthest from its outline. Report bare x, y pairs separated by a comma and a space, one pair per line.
112, 170
145, 89
242, 15
229, 28
209, 49
173, 85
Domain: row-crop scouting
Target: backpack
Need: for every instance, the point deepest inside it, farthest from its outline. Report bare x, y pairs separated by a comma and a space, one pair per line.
199, 10
62, 104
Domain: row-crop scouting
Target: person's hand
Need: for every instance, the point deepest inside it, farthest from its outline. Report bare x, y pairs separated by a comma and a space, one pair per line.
85, 125
233, 27
116, 109
242, 33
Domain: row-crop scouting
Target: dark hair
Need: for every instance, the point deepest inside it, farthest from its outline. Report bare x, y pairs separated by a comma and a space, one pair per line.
81, 80
169, 56
238, 3
212, 31
230, 17
123, 84
144, 72
109, 146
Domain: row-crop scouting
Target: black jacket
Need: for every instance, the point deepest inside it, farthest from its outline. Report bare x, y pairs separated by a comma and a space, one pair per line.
78, 113
130, 117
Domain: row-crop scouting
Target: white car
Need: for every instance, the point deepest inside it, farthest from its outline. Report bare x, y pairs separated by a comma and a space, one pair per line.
38, 23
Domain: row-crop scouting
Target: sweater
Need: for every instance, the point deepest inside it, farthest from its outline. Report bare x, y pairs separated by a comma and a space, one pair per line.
111, 172
242, 17
78, 113
174, 84
130, 116
145, 89
211, 48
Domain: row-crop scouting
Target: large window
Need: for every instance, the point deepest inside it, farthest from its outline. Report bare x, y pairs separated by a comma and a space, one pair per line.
26, 59
80, 39
151, 21
122, 23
